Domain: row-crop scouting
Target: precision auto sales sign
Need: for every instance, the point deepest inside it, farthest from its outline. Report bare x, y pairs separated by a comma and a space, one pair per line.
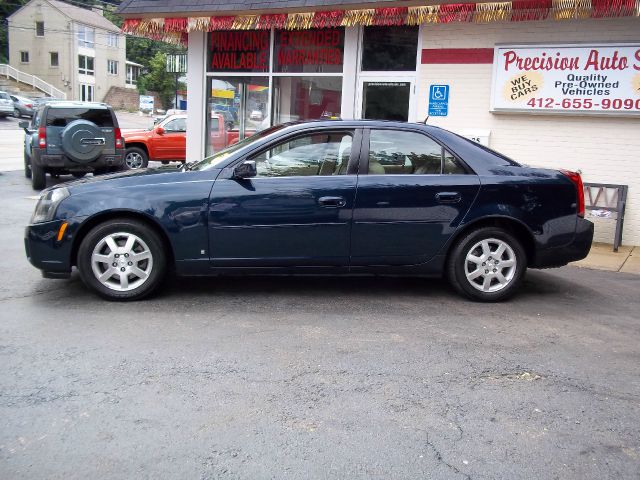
585, 79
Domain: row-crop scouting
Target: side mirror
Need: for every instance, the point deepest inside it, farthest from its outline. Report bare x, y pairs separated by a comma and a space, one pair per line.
24, 125
160, 130
246, 169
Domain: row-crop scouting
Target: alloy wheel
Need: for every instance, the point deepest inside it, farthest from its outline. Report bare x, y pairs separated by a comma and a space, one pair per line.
133, 160
122, 261
490, 265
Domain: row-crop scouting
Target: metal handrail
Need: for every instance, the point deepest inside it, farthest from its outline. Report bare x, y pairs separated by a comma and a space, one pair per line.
28, 79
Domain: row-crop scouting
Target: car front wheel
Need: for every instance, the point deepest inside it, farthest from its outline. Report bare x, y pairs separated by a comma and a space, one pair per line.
122, 260
27, 166
136, 158
487, 264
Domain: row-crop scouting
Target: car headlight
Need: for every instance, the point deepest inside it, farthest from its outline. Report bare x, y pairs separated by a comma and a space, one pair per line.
49, 201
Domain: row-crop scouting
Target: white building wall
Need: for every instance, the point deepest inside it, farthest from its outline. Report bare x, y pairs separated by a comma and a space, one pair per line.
605, 149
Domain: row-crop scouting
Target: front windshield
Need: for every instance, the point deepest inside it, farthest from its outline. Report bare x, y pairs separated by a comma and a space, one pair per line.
213, 161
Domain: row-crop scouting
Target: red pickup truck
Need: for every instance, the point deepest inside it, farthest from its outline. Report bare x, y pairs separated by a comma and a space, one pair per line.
166, 142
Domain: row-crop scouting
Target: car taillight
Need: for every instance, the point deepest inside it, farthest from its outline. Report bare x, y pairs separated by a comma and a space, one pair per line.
42, 137
118, 135
577, 181
28, 105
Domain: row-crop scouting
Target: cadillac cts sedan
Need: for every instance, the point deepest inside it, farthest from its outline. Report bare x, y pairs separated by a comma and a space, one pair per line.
325, 197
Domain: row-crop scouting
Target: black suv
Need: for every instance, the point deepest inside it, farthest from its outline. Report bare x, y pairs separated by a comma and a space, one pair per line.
71, 138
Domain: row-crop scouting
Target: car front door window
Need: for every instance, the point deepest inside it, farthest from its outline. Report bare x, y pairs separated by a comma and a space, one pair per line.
319, 154
175, 126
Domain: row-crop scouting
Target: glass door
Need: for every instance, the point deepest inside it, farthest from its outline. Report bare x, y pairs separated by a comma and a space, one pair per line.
386, 98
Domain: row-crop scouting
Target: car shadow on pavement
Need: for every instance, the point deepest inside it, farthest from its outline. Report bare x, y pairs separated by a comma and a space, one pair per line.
539, 286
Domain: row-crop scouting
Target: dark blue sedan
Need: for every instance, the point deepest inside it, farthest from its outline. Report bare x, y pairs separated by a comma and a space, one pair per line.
330, 197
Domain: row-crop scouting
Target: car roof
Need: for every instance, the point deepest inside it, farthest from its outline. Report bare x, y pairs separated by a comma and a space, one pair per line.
480, 158
71, 104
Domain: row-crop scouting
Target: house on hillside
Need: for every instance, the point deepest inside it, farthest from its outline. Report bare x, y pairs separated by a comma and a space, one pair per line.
75, 49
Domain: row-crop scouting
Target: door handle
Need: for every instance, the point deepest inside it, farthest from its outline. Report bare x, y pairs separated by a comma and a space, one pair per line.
332, 202
448, 197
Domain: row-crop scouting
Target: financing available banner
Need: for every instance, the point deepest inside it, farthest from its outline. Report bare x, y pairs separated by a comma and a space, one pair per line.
576, 78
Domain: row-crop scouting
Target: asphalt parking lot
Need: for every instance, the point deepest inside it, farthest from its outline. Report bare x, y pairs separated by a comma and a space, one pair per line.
300, 378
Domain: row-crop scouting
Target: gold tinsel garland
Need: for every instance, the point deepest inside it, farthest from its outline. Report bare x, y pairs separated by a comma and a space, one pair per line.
175, 29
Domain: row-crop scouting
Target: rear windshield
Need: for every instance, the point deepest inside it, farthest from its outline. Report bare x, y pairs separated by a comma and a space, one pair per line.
61, 117
4, 96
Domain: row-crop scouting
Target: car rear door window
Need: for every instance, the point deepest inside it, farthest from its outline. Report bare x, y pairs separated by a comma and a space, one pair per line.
409, 153
323, 154
61, 117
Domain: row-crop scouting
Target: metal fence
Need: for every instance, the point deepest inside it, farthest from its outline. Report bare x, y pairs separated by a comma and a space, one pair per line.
603, 200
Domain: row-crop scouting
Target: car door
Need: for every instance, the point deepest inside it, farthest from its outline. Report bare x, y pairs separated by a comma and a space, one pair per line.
297, 210
410, 200
171, 144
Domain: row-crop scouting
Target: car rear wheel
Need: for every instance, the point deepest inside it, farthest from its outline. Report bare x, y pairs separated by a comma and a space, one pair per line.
487, 264
38, 177
136, 158
122, 260
16, 113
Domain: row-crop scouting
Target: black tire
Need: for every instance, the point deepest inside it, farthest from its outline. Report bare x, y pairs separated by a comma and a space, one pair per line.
16, 113
27, 165
131, 227
38, 177
458, 265
78, 174
138, 153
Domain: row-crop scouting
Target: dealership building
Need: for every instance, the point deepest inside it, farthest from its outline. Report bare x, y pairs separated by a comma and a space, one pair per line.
548, 83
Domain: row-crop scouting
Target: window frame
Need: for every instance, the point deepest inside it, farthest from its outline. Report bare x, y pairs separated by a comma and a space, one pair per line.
112, 63
112, 39
354, 158
24, 54
38, 23
51, 65
366, 144
85, 70
81, 34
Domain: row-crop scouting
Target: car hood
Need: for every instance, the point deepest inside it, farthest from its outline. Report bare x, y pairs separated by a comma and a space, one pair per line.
137, 178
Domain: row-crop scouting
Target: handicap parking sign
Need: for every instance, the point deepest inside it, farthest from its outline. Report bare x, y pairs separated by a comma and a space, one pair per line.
438, 100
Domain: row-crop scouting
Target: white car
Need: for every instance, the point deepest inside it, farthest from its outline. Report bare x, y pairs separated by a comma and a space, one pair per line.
255, 115
6, 105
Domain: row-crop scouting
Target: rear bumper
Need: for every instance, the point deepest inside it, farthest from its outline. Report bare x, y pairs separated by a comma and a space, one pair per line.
64, 162
576, 250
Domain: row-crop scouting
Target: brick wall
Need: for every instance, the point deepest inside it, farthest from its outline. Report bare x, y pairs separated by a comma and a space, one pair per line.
605, 149
127, 98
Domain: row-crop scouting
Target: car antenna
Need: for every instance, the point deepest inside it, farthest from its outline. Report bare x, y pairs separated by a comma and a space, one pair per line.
426, 119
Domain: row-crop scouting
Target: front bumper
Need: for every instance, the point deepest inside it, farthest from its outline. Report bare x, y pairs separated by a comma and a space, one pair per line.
46, 252
576, 250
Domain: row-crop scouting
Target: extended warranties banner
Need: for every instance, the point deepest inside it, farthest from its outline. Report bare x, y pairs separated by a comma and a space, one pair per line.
584, 79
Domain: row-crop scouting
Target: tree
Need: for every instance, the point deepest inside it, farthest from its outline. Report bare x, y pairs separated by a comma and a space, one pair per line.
6, 9
159, 80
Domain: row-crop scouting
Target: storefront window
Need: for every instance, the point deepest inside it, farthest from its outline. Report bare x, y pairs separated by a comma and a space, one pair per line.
389, 48
306, 98
238, 51
312, 51
237, 107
